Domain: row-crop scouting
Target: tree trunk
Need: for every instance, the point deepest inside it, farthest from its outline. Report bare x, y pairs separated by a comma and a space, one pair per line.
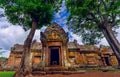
25, 65
113, 42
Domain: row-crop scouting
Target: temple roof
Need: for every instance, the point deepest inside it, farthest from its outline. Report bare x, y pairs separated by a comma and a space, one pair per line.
106, 50
56, 27
54, 32
73, 45
88, 48
17, 48
82, 48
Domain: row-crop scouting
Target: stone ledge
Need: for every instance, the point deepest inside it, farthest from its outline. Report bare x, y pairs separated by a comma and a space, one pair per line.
58, 72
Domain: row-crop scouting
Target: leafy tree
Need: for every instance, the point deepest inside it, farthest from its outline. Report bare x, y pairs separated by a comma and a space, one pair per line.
98, 16
30, 14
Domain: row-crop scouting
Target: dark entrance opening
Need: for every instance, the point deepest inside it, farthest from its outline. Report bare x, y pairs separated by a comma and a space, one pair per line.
54, 57
107, 61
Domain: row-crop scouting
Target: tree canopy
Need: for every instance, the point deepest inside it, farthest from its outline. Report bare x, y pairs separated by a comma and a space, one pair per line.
87, 15
21, 12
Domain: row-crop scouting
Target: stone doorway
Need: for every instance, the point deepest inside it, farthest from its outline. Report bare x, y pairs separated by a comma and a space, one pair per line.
107, 61
54, 56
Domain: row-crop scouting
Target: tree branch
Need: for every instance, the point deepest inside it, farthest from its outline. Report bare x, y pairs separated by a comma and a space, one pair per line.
113, 17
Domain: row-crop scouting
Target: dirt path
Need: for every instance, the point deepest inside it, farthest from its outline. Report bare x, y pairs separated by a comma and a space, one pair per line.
87, 74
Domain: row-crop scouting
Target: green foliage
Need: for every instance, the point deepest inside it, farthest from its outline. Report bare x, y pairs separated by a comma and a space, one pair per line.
91, 37
7, 73
23, 12
87, 15
3, 58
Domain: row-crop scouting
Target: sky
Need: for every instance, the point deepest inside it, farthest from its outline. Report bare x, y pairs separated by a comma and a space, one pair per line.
13, 34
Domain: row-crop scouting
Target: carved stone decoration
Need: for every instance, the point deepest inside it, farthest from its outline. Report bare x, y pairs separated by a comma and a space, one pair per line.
54, 33
53, 36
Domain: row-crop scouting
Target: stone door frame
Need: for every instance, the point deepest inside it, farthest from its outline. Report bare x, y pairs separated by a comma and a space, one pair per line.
60, 57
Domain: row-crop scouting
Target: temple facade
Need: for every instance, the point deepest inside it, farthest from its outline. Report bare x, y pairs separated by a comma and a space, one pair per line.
55, 50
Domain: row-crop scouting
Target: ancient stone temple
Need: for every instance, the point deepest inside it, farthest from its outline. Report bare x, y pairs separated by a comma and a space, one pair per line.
55, 50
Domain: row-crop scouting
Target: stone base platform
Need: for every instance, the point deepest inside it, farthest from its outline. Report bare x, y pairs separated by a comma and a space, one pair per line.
57, 70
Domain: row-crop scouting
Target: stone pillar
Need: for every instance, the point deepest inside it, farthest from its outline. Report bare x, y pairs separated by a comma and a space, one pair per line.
43, 57
67, 63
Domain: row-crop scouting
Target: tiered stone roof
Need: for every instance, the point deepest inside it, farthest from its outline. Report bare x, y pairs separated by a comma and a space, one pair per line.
17, 48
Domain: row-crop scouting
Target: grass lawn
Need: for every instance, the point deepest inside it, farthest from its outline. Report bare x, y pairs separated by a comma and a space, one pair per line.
6, 73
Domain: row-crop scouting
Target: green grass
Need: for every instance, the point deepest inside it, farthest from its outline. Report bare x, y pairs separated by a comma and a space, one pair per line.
6, 73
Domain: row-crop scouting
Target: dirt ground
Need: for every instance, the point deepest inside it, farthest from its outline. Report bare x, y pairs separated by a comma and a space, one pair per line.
86, 74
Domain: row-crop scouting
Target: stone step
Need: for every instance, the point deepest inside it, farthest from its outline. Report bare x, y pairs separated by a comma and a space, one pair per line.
58, 72
55, 69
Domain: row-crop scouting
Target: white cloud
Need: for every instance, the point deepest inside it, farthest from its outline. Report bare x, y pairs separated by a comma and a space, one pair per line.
76, 37
4, 53
37, 35
13, 34
104, 42
10, 35
118, 36
43, 28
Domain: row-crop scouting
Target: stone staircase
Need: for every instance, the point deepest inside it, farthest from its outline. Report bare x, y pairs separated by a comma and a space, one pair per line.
55, 69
